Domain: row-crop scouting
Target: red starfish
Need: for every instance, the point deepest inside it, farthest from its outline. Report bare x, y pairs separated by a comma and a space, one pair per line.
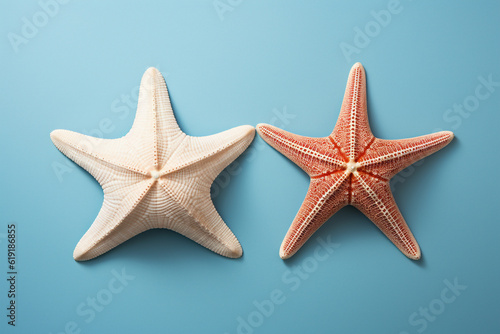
353, 167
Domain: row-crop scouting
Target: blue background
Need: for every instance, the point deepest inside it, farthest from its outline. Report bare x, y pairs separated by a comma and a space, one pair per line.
248, 65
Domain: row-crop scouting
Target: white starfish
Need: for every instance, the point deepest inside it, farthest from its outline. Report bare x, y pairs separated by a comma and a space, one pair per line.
156, 176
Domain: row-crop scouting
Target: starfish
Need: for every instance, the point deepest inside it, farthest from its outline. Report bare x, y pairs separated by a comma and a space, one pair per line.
351, 167
156, 176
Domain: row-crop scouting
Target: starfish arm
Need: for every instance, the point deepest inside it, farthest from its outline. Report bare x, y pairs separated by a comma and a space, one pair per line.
386, 158
352, 131
121, 217
316, 156
211, 154
155, 131
326, 195
102, 158
373, 197
197, 218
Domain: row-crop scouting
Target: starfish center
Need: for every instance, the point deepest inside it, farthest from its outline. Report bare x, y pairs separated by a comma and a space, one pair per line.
155, 174
352, 166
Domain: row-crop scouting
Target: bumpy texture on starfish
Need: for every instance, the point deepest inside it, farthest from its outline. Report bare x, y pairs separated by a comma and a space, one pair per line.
351, 167
156, 176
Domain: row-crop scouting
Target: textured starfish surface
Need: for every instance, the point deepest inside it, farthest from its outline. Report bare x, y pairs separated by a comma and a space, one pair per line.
156, 176
351, 167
